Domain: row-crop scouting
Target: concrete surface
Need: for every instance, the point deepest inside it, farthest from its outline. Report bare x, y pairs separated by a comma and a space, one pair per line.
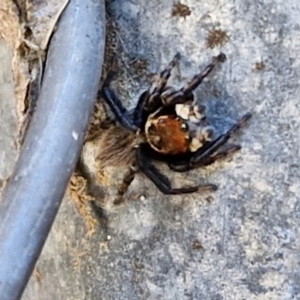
250, 229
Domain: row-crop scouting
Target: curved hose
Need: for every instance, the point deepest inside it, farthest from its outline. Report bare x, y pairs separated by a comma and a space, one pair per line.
53, 142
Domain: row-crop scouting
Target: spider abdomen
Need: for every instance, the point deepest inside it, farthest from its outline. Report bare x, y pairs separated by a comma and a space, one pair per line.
167, 134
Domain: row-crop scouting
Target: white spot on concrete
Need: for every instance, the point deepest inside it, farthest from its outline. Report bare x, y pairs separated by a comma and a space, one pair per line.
272, 279
177, 253
262, 186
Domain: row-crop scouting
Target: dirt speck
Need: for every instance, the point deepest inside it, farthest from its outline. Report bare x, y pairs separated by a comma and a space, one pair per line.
180, 10
216, 38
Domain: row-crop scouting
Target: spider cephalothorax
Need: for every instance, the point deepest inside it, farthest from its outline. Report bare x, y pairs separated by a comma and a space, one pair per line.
179, 129
172, 127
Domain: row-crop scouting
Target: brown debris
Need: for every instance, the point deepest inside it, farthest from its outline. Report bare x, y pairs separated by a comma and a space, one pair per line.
180, 10
77, 190
216, 38
196, 245
111, 44
259, 66
37, 274
78, 260
97, 123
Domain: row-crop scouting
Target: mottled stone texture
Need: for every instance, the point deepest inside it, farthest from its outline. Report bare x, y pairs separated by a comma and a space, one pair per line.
8, 123
250, 230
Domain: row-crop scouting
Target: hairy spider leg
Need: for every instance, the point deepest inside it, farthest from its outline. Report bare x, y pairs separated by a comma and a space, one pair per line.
207, 155
138, 114
198, 78
150, 98
222, 154
153, 97
161, 181
166, 73
200, 156
128, 178
120, 112
184, 166
186, 91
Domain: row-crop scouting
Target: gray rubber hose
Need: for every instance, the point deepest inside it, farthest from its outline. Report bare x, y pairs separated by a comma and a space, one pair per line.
53, 142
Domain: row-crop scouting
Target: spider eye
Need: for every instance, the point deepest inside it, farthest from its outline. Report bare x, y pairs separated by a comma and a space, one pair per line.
185, 126
199, 111
206, 133
209, 133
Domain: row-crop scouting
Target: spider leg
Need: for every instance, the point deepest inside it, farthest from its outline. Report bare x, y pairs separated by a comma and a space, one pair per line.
120, 112
201, 156
128, 178
185, 92
166, 73
222, 154
161, 181
198, 78
150, 98
207, 155
139, 109
158, 87
180, 166
184, 166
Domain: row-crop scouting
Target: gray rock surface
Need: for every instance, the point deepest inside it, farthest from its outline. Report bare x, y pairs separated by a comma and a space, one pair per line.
250, 229
8, 127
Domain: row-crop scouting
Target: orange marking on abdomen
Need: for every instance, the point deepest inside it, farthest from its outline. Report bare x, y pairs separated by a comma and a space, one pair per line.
173, 135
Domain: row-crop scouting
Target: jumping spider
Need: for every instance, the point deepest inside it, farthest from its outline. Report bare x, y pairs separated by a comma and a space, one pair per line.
170, 126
